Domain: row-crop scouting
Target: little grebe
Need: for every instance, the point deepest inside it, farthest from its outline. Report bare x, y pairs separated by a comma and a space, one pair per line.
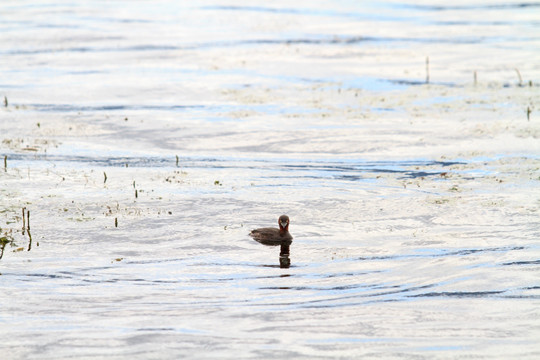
273, 236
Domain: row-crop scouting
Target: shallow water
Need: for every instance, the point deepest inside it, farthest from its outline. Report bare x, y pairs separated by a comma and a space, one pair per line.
414, 207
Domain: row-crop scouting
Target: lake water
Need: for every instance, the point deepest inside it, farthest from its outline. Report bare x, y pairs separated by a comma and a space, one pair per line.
147, 138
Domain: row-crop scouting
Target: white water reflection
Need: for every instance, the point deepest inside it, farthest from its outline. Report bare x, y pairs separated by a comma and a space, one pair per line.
147, 139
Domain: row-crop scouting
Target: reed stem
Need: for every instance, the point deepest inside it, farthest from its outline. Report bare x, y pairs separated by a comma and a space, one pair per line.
427, 70
519, 76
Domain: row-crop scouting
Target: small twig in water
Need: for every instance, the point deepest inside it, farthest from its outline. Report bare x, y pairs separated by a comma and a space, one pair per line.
177, 160
105, 177
5, 163
529, 111
5, 101
116, 222
136, 194
23, 220
30, 243
28, 220
427, 70
519, 76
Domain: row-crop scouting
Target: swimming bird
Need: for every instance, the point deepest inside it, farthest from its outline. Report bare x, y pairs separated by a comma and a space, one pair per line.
272, 236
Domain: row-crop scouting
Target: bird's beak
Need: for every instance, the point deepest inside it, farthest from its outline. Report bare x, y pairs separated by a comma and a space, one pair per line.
284, 224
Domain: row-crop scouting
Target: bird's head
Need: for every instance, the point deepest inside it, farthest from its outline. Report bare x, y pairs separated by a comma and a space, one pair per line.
283, 222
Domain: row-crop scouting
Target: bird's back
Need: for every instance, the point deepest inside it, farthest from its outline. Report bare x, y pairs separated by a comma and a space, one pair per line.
271, 236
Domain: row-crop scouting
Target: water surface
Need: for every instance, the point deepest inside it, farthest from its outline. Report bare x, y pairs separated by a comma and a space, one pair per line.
414, 206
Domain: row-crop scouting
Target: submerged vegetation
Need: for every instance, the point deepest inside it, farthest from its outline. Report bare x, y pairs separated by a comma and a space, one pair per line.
8, 235
6, 238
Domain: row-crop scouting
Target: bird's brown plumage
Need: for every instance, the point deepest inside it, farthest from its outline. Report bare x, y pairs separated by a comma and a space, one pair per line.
273, 236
